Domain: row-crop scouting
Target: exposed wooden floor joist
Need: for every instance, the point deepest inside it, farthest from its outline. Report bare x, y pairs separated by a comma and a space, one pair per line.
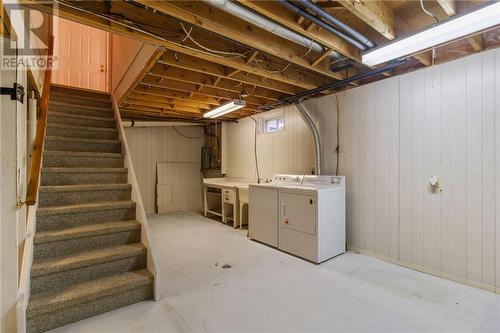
209, 57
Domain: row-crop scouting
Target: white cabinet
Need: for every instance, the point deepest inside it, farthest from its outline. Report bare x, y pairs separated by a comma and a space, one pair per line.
263, 215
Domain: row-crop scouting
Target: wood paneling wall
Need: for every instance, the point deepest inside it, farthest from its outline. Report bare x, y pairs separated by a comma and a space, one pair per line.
286, 151
150, 145
394, 134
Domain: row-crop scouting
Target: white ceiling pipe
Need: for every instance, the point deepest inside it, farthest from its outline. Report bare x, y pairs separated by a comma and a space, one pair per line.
146, 123
267, 25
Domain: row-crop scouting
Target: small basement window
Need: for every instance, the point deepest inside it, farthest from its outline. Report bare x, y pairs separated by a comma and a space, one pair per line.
274, 124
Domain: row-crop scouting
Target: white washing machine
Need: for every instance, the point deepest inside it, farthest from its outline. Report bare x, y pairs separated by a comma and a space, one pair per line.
301, 215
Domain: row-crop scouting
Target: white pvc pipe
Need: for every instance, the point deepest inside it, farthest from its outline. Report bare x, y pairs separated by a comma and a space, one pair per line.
265, 24
145, 123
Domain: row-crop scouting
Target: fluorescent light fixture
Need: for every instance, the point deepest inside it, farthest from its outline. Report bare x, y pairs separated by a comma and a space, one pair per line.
231, 106
481, 19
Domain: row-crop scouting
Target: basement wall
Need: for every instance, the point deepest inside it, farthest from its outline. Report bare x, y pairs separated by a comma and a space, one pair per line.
394, 134
13, 117
286, 151
151, 145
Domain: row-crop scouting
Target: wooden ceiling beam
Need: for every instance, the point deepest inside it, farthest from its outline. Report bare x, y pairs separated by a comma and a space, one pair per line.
449, 6
424, 58
232, 73
217, 80
159, 110
212, 19
155, 111
206, 91
207, 67
179, 74
252, 57
476, 42
169, 93
170, 101
132, 114
295, 76
321, 57
375, 13
170, 107
276, 12
403, 28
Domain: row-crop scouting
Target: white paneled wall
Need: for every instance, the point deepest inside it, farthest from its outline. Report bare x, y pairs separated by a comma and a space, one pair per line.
150, 145
286, 151
394, 134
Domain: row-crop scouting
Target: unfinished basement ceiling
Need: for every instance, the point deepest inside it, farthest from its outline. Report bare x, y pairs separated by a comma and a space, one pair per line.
209, 56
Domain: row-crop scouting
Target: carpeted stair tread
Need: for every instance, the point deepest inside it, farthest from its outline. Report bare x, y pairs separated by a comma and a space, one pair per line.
87, 252
82, 127
83, 169
87, 207
81, 140
53, 117
80, 99
85, 259
87, 292
81, 188
82, 154
104, 109
79, 159
84, 231
78, 93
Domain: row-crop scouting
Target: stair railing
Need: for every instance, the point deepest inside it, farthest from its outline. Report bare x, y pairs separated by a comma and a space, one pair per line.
31, 201
36, 159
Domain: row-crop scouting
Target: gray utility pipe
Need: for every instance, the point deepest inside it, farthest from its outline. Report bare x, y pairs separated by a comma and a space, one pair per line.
297, 10
332, 20
249, 16
315, 134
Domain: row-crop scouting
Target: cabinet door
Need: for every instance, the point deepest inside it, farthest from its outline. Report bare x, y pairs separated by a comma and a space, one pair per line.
263, 215
298, 212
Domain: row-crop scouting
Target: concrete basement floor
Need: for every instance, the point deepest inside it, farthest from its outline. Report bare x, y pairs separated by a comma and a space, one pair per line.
266, 290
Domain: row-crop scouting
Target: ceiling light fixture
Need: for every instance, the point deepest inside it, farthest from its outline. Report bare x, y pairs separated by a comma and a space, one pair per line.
476, 21
225, 108
244, 94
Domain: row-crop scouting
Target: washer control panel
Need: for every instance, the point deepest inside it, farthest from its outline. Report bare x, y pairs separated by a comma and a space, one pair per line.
308, 179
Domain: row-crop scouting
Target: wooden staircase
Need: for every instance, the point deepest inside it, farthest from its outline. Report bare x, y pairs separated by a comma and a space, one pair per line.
87, 257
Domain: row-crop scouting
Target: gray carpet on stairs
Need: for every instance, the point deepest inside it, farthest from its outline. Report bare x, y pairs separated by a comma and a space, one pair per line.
88, 256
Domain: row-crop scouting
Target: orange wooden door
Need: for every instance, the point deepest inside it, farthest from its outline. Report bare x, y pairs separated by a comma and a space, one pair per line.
83, 56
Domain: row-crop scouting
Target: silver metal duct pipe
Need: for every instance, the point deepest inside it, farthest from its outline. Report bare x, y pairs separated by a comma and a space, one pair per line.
247, 15
294, 8
342, 26
315, 134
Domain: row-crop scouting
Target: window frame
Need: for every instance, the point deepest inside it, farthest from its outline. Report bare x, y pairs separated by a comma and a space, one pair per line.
276, 116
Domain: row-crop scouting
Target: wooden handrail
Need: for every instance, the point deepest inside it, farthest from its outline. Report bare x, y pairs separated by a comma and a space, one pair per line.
36, 159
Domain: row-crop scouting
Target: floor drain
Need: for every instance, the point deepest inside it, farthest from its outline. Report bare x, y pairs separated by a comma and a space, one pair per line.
225, 266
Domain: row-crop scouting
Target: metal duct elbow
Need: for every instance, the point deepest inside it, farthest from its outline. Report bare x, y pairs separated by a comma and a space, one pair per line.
315, 134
